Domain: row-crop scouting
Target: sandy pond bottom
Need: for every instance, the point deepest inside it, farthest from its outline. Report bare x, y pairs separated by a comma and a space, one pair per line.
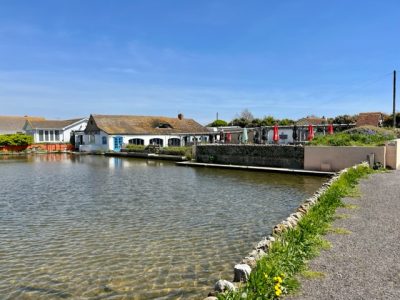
90, 227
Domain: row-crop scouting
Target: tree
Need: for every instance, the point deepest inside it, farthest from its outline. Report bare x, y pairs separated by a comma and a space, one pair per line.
268, 121
285, 122
247, 115
240, 122
218, 123
345, 119
388, 120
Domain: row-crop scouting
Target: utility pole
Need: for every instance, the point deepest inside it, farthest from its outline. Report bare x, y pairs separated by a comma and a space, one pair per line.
217, 116
394, 99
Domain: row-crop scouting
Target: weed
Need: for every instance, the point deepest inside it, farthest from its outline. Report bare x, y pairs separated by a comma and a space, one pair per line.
309, 274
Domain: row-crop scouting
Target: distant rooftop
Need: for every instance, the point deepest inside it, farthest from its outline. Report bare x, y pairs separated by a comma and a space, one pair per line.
14, 124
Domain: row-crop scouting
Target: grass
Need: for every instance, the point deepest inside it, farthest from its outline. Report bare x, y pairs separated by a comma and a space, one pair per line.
338, 230
309, 274
288, 256
341, 216
350, 206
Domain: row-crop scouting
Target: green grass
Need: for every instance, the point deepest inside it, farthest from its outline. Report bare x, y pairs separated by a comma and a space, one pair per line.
338, 230
309, 274
341, 216
289, 255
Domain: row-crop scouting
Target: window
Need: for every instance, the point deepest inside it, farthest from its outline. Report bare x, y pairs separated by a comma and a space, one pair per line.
57, 135
136, 142
46, 135
157, 141
51, 135
174, 142
164, 125
92, 139
40, 135
104, 140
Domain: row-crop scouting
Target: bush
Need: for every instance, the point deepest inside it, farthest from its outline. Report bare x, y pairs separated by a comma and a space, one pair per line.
218, 123
17, 139
135, 148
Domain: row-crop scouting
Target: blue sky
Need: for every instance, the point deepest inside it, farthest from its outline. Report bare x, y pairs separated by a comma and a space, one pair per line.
289, 58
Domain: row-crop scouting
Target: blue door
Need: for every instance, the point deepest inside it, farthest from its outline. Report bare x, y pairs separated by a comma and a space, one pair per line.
117, 143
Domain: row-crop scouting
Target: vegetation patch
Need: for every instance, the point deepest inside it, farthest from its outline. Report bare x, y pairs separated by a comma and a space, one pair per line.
275, 273
341, 216
350, 206
362, 136
338, 230
18, 139
309, 274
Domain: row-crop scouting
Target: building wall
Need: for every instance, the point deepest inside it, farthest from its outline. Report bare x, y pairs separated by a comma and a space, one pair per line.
335, 158
279, 156
98, 145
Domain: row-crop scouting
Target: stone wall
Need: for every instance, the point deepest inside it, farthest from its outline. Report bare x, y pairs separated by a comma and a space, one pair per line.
278, 156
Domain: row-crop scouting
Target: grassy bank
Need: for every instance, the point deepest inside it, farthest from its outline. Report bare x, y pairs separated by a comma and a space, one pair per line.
359, 136
275, 273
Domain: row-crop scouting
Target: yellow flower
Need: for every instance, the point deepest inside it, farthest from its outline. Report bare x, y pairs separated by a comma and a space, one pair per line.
278, 279
277, 287
278, 292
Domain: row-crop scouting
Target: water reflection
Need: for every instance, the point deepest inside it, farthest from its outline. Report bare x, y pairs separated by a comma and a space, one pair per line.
91, 227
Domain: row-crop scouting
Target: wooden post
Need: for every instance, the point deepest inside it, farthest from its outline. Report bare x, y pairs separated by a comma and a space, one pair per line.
394, 99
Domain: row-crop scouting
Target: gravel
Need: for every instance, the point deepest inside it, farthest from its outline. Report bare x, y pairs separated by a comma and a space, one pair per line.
364, 264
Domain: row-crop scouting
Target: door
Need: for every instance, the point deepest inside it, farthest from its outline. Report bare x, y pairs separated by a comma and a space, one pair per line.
117, 143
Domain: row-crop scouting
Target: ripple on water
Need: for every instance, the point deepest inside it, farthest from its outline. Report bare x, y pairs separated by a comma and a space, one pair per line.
84, 227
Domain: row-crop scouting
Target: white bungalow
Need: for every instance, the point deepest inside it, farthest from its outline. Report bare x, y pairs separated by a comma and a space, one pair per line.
111, 132
54, 131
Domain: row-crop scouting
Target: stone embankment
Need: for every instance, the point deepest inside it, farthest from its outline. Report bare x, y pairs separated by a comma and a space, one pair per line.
243, 269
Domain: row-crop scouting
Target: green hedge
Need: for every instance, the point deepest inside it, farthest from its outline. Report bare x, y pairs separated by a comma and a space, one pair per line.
15, 140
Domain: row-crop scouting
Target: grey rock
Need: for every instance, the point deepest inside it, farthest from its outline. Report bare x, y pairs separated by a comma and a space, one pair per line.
241, 273
211, 298
250, 260
224, 285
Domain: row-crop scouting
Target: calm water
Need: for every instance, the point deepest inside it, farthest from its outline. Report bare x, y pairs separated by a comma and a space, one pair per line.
90, 227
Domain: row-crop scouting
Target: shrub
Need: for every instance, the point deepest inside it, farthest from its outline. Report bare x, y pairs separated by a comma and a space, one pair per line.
135, 148
17, 139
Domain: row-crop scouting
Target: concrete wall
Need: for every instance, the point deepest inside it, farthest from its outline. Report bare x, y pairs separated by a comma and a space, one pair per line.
393, 154
334, 158
252, 155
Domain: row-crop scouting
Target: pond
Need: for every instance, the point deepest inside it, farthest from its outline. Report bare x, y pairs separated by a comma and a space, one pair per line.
93, 227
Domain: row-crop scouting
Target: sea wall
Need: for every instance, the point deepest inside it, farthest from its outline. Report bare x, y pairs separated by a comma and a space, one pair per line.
278, 156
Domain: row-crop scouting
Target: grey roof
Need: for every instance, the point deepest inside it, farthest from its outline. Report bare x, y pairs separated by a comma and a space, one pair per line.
52, 124
14, 124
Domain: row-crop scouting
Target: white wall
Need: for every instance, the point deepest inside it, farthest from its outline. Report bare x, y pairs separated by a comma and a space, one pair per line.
98, 145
